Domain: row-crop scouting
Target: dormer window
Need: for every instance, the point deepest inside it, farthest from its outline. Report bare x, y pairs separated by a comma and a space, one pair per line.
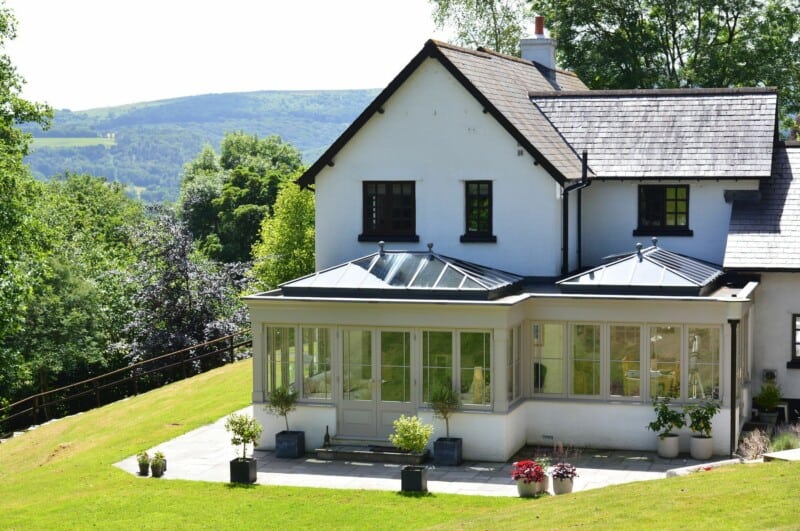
389, 211
663, 210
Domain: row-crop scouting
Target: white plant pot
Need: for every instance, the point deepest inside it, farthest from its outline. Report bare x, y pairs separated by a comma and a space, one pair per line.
562, 486
701, 447
669, 446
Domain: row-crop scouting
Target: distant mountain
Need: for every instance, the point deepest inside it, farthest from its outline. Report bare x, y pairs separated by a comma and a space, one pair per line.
145, 145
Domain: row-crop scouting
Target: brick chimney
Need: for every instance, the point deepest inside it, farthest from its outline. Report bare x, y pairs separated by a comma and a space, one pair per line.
539, 48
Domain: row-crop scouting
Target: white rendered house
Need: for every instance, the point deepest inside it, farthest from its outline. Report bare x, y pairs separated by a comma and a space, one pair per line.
555, 254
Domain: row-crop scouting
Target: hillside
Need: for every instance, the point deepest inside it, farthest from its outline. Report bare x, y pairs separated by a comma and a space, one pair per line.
145, 145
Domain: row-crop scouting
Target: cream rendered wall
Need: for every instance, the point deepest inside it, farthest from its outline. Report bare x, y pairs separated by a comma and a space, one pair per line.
777, 298
435, 133
610, 215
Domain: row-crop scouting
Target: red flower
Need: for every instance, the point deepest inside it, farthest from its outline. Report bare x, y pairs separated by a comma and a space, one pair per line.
528, 471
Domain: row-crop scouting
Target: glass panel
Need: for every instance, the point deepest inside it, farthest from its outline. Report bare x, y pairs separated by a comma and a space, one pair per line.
403, 269
665, 361
357, 365
704, 357
450, 279
280, 358
316, 363
548, 358
585, 341
625, 373
396, 366
475, 367
437, 362
430, 272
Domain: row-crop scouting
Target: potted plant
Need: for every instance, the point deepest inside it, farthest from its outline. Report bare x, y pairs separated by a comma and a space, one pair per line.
144, 463
158, 464
288, 444
767, 400
446, 450
530, 477
411, 435
700, 415
563, 475
667, 420
246, 430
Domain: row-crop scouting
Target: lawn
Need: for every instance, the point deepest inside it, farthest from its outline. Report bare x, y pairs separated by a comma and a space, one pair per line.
62, 476
64, 142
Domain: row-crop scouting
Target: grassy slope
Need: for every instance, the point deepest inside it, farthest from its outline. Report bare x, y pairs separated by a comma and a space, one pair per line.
61, 476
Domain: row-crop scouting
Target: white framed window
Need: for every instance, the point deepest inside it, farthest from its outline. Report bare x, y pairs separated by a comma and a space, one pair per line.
548, 363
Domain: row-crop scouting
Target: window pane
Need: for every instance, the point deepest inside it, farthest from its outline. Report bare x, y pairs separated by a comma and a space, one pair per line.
395, 366
475, 367
478, 203
280, 358
437, 362
585, 341
389, 208
704, 357
357, 364
316, 363
625, 373
665, 361
548, 358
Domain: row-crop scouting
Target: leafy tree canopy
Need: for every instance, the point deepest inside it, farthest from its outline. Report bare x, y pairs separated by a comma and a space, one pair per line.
495, 24
286, 246
224, 199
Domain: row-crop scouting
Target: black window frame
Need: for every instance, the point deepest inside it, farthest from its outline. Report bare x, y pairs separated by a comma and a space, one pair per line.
794, 357
653, 199
478, 212
389, 226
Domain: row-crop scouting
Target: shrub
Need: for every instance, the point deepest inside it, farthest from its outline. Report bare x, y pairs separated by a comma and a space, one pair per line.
700, 416
410, 434
666, 419
281, 401
753, 444
784, 441
245, 431
768, 397
444, 401
142, 458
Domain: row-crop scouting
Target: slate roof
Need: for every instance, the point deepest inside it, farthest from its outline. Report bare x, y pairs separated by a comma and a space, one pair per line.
501, 84
405, 274
651, 270
765, 234
686, 133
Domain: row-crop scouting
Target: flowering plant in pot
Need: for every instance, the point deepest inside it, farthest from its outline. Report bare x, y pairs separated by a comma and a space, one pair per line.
411, 435
530, 477
563, 474
700, 416
667, 420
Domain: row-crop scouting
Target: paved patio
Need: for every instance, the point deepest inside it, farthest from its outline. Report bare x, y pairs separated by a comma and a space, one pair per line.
203, 455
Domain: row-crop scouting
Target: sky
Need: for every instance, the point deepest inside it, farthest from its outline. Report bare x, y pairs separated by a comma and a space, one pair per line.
82, 54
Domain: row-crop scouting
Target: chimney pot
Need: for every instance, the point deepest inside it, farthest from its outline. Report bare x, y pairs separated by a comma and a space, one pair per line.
538, 22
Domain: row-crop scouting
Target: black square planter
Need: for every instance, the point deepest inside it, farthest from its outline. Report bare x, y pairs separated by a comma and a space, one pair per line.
447, 451
290, 444
244, 470
414, 478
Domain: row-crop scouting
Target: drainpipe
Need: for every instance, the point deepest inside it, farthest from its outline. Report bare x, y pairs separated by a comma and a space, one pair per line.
584, 183
734, 324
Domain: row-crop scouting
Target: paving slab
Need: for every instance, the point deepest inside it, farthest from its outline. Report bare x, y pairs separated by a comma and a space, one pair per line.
204, 453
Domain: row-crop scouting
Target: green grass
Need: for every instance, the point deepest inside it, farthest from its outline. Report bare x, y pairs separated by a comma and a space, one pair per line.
61, 476
67, 142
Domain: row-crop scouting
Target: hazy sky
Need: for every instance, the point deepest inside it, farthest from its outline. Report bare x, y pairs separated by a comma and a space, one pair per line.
80, 54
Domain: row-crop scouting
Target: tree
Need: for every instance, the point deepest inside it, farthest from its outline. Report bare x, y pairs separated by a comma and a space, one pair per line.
182, 299
224, 199
683, 43
20, 234
286, 247
495, 24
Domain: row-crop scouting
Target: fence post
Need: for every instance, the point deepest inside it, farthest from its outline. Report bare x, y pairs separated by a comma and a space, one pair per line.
185, 360
35, 411
230, 347
97, 393
135, 383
